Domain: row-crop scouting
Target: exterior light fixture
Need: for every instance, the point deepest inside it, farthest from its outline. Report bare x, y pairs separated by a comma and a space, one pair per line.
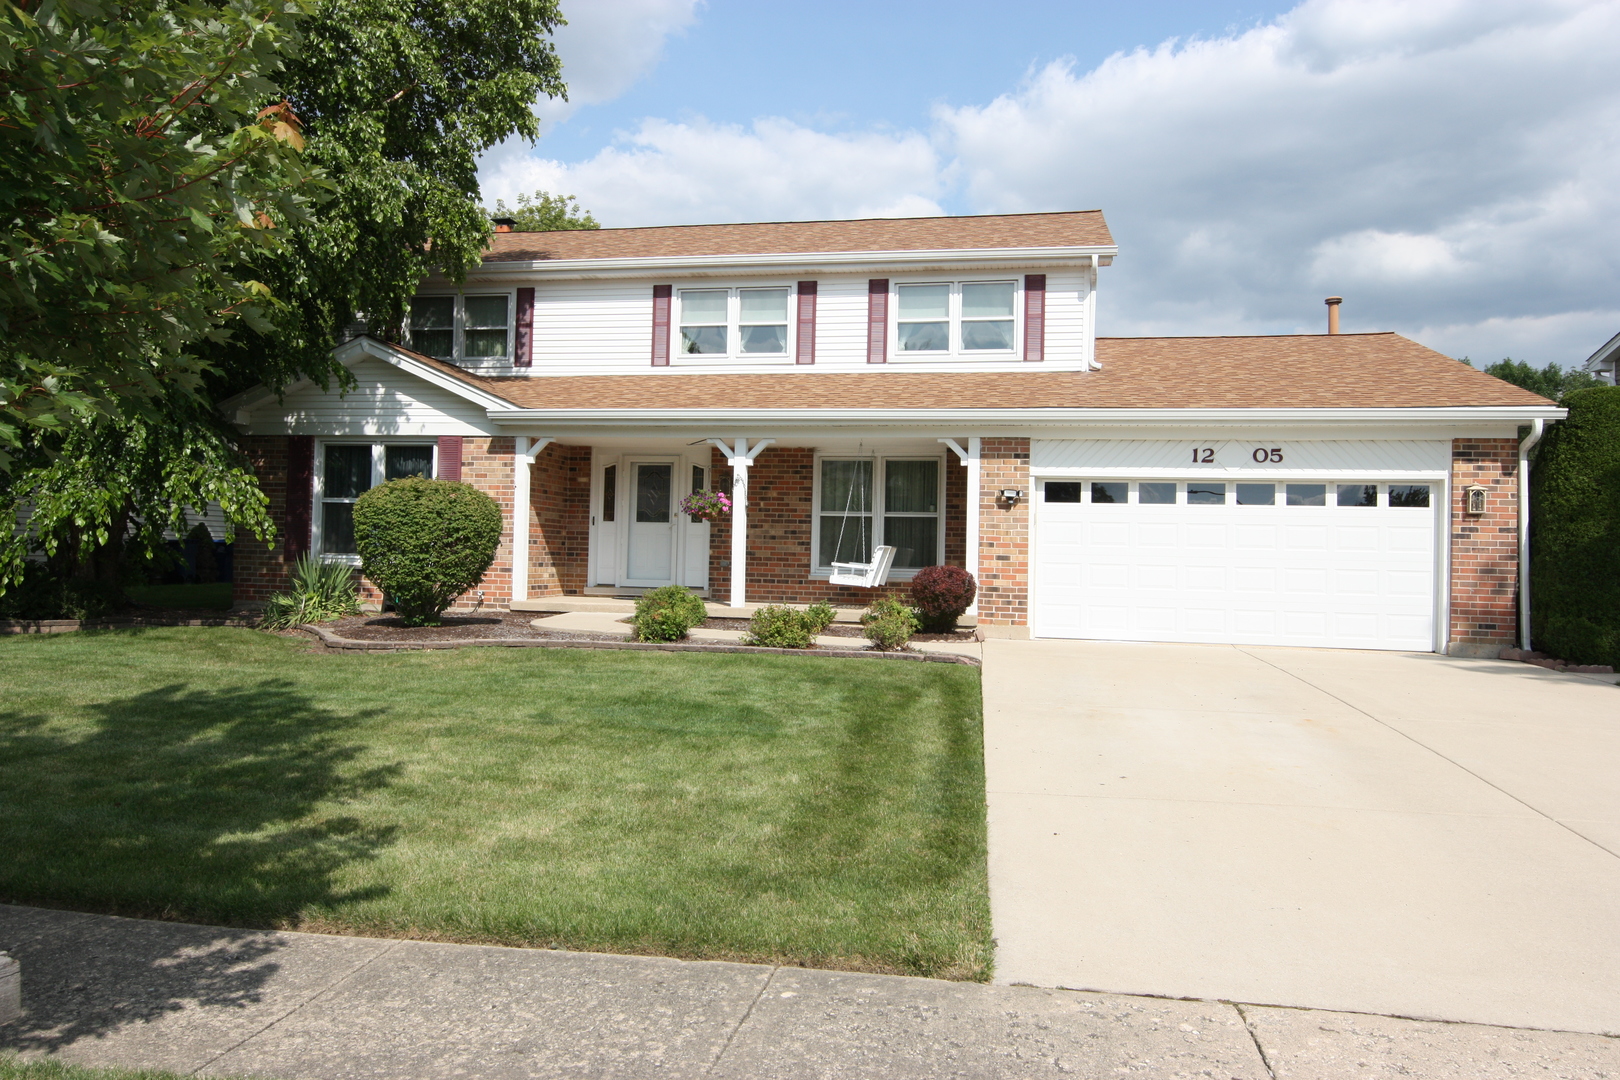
1475, 495
1011, 495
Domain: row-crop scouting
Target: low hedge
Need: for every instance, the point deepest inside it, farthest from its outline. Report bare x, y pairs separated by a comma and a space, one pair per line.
1575, 532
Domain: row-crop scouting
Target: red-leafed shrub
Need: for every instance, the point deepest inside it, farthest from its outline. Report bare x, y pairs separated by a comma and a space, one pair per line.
941, 594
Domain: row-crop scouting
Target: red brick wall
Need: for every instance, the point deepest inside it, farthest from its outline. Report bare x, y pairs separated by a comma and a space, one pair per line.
781, 492
1485, 548
1003, 533
559, 530
259, 572
486, 464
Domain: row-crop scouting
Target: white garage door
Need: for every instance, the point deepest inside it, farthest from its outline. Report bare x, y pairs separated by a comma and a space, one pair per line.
1333, 563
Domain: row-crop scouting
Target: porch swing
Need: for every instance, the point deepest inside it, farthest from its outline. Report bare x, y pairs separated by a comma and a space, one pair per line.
866, 575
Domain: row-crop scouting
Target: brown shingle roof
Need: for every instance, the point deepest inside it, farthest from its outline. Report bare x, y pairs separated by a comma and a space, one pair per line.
1306, 371
1081, 228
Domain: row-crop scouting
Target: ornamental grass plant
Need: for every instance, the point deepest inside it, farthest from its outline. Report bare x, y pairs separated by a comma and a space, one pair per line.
320, 591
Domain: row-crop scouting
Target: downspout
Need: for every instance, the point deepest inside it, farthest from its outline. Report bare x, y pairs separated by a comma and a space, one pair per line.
1536, 429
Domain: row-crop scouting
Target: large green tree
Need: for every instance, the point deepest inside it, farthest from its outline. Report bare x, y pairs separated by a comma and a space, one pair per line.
398, 98
1575, 532
395, 100
544, 212
1551, 381
145, 150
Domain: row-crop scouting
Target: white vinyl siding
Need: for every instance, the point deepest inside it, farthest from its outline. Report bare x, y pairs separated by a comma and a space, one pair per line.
385, 401
605, 326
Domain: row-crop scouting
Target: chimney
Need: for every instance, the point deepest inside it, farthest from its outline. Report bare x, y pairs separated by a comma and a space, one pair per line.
1333, 303
504, 224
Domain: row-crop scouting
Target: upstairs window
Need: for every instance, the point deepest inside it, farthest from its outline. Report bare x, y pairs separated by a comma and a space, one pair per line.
734, 322
463, 327
956, 317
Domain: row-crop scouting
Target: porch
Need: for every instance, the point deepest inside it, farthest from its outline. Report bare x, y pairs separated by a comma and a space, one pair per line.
604, 519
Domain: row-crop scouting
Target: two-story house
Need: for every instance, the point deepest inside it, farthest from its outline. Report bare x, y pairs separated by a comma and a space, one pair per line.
935, 385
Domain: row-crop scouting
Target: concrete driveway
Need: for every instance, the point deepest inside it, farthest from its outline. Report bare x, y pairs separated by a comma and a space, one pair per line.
1392, 833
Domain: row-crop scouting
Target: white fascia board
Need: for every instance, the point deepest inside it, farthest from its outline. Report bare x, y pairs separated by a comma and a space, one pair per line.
963, 419
841, 261
1605, 356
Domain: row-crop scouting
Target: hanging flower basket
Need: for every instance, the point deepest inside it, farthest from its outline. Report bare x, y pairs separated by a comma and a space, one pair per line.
708, 505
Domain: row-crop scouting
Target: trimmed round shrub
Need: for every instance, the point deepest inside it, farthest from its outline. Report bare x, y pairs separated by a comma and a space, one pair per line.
889, 624
821, 616
1575, 532
668, 614
425, 542
941, 594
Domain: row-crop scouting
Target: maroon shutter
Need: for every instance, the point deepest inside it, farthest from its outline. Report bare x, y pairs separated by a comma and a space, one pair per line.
877, 321
523, 351
449, 457
1034, 316
805, 353
300, 492
660, 352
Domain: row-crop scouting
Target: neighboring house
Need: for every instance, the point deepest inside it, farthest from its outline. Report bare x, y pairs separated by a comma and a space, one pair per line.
936, 385
1605, 363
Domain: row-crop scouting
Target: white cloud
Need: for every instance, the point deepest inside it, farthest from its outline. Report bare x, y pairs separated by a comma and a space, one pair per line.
608, 45
669, 173
1447, 165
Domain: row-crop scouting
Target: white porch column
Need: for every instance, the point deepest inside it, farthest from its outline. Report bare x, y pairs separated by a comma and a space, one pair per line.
970, 461
523, 457
739, 456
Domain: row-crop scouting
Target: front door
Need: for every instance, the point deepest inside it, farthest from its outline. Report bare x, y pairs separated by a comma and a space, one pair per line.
650, 553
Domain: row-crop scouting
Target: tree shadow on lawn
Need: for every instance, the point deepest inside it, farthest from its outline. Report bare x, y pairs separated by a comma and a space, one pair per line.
175, 803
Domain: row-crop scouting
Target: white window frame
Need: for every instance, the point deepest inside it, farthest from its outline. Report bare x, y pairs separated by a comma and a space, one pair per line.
879, 490
955, 318
734, 349
459, 324
379, 459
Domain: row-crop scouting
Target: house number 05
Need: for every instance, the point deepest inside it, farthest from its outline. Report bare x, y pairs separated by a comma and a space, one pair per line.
1205, 455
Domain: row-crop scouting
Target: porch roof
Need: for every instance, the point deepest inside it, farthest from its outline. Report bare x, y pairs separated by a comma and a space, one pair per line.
1305, 371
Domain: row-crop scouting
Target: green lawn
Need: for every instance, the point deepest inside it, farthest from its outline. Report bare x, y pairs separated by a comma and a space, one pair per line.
12, 1068
216, 596
814, 811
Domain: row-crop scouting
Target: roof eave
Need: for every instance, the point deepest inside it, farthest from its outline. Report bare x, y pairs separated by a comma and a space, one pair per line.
1034, 417
848, 261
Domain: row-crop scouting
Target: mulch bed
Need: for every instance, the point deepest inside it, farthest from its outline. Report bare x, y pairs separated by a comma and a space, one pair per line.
965, 637
459, 628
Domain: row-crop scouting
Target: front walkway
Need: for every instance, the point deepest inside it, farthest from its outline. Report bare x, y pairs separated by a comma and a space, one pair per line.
107, 991
1382, 832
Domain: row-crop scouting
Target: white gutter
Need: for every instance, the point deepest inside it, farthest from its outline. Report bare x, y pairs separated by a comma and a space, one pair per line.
1537, 427
1028, 417
642, 266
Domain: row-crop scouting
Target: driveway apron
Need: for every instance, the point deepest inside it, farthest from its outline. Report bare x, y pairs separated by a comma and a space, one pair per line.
1394, 833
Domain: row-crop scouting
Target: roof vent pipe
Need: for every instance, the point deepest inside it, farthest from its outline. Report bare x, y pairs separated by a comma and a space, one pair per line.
1333, 303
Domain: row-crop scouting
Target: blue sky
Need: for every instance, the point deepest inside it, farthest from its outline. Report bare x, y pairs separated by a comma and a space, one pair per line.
1446, 165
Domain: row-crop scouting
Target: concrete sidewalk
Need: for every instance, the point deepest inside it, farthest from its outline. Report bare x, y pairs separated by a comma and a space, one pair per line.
109, 991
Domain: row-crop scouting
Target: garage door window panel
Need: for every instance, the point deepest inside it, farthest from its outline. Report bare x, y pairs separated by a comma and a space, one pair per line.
1156, 494
1110, 492
1062, 491
1358, 494
1256, 494
1202, 494
1409, 495
1306, 495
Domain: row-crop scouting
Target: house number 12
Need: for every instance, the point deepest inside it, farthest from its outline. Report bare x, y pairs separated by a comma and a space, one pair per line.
1205, 455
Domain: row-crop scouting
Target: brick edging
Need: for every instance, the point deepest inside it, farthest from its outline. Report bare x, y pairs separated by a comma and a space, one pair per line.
333, 641
66, 626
